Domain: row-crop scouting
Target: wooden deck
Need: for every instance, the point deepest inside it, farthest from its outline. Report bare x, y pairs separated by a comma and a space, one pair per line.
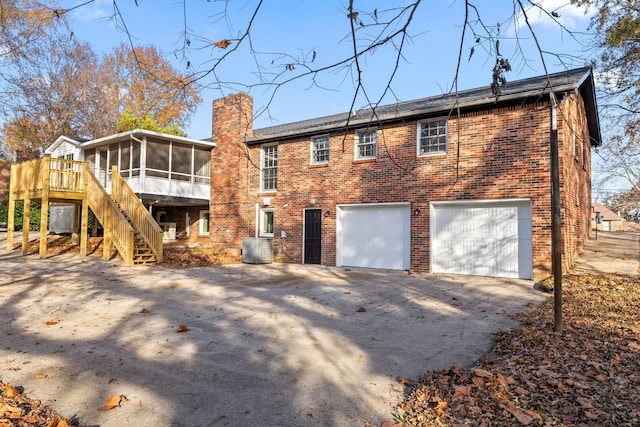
127, 225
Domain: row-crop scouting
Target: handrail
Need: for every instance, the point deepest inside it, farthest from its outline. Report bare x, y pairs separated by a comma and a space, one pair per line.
66, 175
129, 203
111, 218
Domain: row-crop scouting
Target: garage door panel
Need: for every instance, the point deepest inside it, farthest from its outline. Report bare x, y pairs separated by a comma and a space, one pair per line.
488, 239
373, 236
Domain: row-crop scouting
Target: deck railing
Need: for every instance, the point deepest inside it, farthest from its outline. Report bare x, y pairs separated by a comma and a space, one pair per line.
60, 179
66, 175
115, 224
129, 203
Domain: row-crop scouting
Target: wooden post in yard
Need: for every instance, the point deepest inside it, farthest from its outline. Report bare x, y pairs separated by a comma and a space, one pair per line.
84, 219
12, 206
44, 208
26, 213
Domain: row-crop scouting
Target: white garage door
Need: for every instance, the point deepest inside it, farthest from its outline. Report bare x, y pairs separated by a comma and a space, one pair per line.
482, 238
373, 236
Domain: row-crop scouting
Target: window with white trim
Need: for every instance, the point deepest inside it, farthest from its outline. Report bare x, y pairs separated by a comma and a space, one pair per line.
269, 168
432, 137
320, 150
204, 223
266, 222
366, 144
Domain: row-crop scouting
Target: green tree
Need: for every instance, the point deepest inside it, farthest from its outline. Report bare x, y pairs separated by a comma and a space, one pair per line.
34, 215
128, 121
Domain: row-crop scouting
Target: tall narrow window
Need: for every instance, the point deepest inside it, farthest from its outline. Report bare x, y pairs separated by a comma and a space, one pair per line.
320, 150
269, 168
432, 137
366, 144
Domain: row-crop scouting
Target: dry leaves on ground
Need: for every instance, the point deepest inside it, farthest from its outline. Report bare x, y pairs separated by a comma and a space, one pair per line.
201, 255
17, 410
175, 255
586, 375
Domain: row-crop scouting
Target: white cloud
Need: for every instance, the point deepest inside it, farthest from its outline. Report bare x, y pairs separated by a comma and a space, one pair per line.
569, 15
99, 9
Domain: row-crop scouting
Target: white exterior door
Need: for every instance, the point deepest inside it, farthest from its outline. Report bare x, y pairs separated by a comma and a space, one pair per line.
486, 238
374, 236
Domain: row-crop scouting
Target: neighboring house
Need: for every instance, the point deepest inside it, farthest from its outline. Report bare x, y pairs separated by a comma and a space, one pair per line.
5, 173
169, 174
424, 185
609, 221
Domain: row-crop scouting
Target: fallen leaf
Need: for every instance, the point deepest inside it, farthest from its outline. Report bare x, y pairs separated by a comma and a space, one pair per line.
462, 390
12, 412
361, 310
441, 407
479, 381
531, 305
145, 310
113, 402
406, 381
40, 376
523, 417
591, 415
53, 321
482, 373
585, 403
10, 391
55, 422
183, 328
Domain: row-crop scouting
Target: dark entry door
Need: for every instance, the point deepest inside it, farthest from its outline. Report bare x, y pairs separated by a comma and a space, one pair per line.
312, 236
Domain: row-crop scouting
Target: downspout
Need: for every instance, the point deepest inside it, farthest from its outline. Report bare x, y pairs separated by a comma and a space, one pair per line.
556, 219
257, 231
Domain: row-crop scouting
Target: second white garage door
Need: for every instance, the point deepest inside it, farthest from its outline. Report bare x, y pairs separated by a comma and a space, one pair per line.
373, 236
482, 238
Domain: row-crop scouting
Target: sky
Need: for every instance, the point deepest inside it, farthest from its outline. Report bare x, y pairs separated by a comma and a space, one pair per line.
288, 31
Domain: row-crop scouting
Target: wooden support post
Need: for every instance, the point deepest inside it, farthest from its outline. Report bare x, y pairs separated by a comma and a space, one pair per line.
11, 222
26, 213
106, 232
13, 178
84, 217
44, 208
76, 224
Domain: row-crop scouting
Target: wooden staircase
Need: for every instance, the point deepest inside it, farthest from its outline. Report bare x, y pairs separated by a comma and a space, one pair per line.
128, 226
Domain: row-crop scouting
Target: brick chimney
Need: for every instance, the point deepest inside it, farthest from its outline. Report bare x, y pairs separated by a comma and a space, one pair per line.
232, 215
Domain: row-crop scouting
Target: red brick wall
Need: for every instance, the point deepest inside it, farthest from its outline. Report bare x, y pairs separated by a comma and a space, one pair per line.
575, 179
231, 209
5, 172
492, 154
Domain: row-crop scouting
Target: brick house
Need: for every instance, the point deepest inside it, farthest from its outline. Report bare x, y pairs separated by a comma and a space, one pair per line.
5, 172
419, 185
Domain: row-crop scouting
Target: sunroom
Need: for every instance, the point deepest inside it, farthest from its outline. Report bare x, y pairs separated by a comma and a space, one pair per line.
155, 165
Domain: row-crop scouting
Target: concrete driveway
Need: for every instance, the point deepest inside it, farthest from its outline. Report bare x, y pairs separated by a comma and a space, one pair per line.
266, 345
